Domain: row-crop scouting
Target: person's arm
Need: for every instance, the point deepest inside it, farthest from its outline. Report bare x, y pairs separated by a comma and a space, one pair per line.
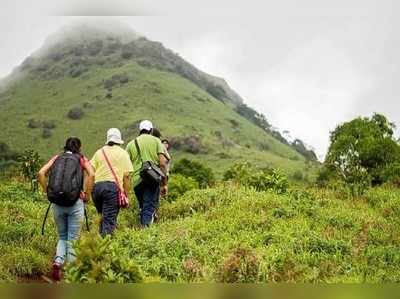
88, 180
42, 174
163, 167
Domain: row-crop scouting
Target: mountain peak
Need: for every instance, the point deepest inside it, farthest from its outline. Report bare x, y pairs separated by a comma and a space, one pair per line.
89, 30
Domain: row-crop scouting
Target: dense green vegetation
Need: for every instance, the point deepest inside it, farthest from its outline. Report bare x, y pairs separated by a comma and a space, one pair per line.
363, 153
227, 233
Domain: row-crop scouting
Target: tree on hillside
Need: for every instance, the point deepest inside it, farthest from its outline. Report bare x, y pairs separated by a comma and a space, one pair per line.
196, 170
364, 151
301, 148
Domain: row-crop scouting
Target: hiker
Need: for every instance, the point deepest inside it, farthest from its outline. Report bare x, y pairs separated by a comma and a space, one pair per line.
68, 187
112, 167
167, 147
157, 133
149, 163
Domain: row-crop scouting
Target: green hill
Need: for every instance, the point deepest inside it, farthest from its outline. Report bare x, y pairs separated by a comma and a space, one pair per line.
87, 79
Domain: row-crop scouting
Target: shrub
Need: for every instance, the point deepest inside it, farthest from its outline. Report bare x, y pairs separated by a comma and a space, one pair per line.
190, 144
77, 71
192, 270
241, 266
30, 165
179, 185
193, 169
216, 91
261, 179
108, 84
48, 124
46, 133
34, 124
118, 79
298, 176
100, 260
87, 105
95, 47
128, 50
235, 124
76, 113
112, 47
6, 153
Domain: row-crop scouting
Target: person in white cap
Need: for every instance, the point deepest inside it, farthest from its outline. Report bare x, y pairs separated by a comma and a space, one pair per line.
147, 148
112, 167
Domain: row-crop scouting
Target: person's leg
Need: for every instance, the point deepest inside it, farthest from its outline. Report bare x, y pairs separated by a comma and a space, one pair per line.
139, 196
75, 218
110, 209
60, 218
151, 197
98, 201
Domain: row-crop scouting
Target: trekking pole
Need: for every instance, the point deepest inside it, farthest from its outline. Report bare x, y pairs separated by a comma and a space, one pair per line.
86, 219
45, 218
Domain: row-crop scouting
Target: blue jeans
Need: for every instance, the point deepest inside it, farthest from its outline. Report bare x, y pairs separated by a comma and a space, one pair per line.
105, 198
68, 221
148, 198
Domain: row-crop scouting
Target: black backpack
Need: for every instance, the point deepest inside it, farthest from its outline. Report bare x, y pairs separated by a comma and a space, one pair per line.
65, 180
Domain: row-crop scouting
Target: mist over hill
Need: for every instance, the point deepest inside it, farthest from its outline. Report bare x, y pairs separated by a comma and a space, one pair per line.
89, 76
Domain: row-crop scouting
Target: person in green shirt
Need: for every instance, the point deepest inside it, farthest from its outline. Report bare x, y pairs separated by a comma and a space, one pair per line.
151, 149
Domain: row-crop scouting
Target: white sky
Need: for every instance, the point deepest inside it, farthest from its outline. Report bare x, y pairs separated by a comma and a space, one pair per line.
307, 65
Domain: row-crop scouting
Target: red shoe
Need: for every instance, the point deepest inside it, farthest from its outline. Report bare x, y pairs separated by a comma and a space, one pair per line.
56, 273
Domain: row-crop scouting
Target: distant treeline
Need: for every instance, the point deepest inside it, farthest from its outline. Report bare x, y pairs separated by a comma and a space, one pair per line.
261, 121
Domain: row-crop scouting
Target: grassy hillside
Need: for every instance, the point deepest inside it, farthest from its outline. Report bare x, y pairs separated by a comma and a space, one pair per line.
227, 234
112, 87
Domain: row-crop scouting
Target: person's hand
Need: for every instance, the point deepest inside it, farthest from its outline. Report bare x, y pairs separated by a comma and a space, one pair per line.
164, 190
84, 196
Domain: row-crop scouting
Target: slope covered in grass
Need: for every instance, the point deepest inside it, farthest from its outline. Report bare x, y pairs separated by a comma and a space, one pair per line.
231, 234
84, 85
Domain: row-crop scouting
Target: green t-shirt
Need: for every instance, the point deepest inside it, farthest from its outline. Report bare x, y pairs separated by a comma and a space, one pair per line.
150, 148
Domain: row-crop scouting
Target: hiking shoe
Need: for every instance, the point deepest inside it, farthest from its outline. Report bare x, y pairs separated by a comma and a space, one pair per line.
56, 271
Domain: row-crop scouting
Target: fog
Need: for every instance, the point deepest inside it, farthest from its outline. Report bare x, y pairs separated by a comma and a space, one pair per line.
305, 65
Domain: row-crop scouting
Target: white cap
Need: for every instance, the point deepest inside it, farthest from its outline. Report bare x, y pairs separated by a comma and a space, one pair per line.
114, 135
145, 125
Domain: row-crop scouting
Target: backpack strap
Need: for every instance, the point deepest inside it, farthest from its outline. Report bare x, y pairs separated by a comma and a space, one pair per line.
138, 150
112, 169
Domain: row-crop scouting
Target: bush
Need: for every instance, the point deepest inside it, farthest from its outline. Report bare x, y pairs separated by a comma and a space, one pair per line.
190, 144
298, 176
48, 124
179, 185
76, 113
100, 260
6, 153
34, 124
128, 50
46, 133
265, 179
241, 266
216, 91
77, 71
87, 105
119, 79
95, 47
202, 174
30, 165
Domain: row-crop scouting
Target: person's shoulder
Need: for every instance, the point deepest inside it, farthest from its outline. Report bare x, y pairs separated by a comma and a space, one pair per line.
130, 143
